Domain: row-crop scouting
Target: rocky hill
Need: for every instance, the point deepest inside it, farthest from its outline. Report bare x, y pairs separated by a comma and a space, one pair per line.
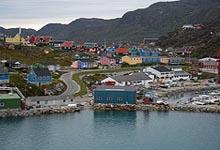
205, 42
13, 31
154, 21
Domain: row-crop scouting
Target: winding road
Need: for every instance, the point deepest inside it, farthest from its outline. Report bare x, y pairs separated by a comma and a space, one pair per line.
72, 87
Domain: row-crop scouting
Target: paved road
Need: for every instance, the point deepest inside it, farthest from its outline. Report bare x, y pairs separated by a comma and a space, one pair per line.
72, 87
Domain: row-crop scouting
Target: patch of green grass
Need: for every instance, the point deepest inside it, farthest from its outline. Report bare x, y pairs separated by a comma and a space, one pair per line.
83, 85
32, 55
206, 75
17, 80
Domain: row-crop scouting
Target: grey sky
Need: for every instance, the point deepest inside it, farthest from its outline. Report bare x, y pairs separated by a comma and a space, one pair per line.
37, 13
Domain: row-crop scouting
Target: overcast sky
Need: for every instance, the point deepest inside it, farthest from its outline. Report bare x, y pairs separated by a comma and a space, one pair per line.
37, 13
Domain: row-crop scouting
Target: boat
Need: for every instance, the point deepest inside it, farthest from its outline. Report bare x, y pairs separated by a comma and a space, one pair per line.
198, 103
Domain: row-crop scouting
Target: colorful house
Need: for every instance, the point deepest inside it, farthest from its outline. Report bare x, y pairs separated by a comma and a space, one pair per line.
131, 60
84, 64
39, 40
177, 61
122, 51
107, 61
115, 95
164, 60
39, 76
150, 56
16, 40
209, 65
134, 79
10, 101
4, 75
67, 45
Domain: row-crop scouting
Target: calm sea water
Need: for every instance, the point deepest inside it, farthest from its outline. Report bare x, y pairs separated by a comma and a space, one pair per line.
89, 130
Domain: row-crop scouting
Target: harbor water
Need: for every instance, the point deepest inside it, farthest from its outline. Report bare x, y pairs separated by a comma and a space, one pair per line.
108, 130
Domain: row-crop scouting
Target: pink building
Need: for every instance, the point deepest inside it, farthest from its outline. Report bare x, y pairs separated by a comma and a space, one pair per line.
108, 61
75, 65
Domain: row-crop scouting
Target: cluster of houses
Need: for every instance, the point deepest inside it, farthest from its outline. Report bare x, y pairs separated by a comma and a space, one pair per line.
123, 89
38, 75
112, 57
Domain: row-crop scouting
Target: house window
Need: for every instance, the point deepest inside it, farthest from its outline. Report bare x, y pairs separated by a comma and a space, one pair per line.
109, 98
64, 101
119, 99
38, 102
2, 104
46, 102
99, 98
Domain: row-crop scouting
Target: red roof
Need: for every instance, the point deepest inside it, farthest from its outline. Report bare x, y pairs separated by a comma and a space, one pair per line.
122, 50
67, 44
40, 39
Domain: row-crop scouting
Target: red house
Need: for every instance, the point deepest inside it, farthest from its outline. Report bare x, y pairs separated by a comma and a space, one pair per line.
106, 61
122, 50
67, 45
37, 40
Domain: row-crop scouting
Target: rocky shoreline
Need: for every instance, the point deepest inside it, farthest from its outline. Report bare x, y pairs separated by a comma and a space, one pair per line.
37, 111
110, 107
164, 108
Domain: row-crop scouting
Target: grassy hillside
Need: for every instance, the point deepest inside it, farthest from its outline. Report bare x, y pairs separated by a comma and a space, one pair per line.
31, 55
154, 21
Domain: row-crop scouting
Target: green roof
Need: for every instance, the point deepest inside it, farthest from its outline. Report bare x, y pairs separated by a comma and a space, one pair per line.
9, 96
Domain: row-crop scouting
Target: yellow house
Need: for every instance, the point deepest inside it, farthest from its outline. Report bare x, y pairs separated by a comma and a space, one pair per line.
18, 39
164, 60
131, 60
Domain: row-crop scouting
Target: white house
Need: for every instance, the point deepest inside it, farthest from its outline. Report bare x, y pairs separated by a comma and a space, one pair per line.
111, 80
209, 65
181, 75
134, 79
161, 73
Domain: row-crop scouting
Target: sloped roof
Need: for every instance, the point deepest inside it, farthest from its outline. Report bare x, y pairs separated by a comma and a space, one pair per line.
208, 59
122, 50
177, 73
42, 72
162, 69
133, 77
115, 88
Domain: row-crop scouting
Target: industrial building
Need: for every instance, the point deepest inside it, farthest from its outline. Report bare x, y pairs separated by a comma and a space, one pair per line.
10, 98
115, 95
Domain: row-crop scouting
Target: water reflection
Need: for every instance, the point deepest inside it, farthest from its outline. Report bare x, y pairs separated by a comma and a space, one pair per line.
112, 118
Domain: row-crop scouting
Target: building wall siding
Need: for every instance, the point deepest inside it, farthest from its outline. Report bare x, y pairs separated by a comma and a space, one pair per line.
10, 103
115, 97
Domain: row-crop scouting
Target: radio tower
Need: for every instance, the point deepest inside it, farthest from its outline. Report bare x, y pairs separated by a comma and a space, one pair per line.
218, 57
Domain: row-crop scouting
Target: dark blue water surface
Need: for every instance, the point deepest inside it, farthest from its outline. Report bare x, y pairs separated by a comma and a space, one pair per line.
89, 130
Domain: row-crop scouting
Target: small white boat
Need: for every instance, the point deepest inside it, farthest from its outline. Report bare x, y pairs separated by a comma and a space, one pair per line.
198, 103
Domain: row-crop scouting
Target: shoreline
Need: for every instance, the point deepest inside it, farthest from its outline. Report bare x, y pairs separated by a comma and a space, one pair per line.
38, 111
110, 107
159, 108
167, 92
